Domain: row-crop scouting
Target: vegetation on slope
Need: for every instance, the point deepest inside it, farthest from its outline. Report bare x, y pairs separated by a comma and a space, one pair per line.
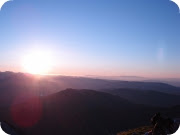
136, 131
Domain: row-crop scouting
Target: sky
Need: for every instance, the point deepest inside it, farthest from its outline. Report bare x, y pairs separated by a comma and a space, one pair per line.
93, 37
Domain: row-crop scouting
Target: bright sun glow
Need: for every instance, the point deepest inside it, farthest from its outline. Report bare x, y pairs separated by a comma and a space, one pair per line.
37, 62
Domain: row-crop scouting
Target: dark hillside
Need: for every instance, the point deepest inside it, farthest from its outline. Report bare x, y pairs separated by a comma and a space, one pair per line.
153, 98
79, 112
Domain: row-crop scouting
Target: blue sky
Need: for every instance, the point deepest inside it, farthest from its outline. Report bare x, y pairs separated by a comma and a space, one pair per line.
94, 37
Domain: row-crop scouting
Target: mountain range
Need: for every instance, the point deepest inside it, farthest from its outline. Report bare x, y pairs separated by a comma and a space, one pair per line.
43, 105
79, 112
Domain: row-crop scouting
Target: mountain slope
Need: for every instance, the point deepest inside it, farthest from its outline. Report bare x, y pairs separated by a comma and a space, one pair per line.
92, 112
79, 112
137, 131
149, 97
13, 84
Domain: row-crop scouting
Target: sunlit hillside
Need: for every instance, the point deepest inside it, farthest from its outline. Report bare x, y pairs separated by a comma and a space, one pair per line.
137, 131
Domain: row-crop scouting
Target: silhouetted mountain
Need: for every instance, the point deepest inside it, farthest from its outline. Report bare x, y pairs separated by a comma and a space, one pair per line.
79, 112
21, 86
152, 98
13, 85
170, 81
98, 84
122, 78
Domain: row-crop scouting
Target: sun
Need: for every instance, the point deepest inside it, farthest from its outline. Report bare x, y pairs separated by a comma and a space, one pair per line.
37, 62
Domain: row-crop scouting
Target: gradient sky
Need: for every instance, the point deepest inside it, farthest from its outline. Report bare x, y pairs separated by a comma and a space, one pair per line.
94, 37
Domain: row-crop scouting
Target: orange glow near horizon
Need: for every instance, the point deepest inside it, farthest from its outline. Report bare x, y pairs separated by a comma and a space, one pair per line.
86, 72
